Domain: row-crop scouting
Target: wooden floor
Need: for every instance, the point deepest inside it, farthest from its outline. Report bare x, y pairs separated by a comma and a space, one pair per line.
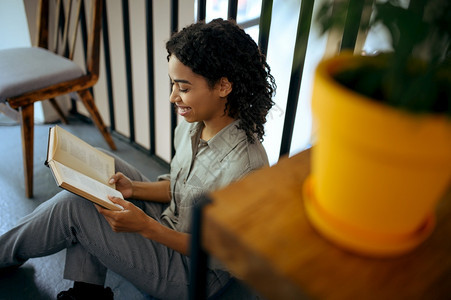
41, 278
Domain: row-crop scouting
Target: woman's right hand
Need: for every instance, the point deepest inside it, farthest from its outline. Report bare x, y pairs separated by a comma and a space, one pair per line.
123, 184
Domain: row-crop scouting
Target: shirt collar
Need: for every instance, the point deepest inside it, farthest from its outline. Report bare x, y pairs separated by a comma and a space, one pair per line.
223, 142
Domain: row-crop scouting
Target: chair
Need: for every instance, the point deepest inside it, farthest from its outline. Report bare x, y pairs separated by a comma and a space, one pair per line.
35, 74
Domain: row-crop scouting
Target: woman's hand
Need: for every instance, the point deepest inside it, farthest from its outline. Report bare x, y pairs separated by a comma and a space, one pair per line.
123, 184
131, 219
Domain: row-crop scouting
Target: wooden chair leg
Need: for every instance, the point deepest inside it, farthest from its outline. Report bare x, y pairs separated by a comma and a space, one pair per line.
88, 101
58, 110
27, 128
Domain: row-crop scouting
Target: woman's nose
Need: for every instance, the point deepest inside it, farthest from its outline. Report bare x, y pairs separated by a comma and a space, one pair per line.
174, 97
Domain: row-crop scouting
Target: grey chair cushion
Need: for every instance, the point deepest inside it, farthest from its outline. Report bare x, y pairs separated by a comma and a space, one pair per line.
27, 69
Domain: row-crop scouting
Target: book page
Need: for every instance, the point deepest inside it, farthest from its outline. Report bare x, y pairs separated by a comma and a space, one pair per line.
84, 186
80, 156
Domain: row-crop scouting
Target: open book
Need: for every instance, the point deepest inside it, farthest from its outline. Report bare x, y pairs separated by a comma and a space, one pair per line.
80, 168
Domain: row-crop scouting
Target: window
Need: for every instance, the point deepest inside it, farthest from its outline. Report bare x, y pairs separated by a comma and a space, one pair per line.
280, 55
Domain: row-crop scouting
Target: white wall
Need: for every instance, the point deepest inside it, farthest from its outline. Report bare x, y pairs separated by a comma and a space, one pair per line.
13, 25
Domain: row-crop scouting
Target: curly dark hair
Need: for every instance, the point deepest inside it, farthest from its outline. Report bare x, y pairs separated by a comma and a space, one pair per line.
219, 49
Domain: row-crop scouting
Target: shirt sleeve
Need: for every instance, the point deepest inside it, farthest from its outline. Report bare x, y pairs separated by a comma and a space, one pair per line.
164, 177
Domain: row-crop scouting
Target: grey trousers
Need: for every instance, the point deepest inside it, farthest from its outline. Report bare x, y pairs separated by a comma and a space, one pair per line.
67, 221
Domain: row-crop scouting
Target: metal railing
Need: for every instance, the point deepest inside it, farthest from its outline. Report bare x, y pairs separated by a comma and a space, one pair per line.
264, 21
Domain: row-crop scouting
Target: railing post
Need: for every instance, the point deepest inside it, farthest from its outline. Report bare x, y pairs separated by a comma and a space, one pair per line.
300, 50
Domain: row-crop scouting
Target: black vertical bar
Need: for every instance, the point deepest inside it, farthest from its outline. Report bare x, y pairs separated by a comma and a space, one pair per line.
60, 19
352, 24
67, 46
201, 10
106, 53
174, 16
232, 10
128, 68
265, 25
300, 49
84, 30
150, 74
84, 34
199, 258
84, 38
174, 29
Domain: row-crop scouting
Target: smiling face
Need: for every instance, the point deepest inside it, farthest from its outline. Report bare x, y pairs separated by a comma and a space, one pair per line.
195, 100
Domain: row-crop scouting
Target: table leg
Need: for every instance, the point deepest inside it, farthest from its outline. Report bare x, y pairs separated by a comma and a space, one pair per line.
199, 257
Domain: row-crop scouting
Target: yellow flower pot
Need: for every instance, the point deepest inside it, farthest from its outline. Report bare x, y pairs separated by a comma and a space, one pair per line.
377, 172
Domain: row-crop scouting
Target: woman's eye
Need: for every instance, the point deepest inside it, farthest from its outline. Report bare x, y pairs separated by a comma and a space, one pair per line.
176, 85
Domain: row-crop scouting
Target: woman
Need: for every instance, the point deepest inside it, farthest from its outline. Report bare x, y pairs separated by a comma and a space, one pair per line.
222, 87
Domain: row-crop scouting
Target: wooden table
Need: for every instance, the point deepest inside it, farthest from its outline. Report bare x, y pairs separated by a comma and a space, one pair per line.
257, 227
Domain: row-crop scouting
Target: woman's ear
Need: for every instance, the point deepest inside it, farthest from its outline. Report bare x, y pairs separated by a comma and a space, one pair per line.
225, 87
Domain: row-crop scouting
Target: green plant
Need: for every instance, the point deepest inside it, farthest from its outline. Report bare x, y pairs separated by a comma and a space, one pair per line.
416, 75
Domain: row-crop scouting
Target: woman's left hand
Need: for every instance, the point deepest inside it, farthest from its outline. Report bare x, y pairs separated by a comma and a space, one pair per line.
131, 219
